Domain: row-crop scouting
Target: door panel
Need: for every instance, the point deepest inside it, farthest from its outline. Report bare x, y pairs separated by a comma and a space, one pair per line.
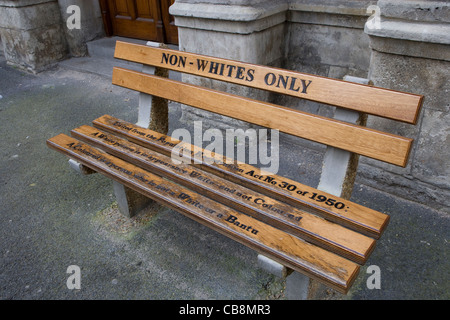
170, 30
139, 19
143, 9
121, 8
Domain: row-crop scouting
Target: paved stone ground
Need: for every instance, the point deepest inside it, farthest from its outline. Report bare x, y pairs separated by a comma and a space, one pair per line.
52, 218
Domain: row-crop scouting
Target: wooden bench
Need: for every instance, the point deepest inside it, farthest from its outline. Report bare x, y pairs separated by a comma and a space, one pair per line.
317, 232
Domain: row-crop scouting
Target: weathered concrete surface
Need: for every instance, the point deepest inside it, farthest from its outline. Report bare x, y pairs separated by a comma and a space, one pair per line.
52, 218
32, 34
91, 25
411, 52
405, 46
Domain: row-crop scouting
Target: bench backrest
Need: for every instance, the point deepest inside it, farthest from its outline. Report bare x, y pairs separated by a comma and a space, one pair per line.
372, 143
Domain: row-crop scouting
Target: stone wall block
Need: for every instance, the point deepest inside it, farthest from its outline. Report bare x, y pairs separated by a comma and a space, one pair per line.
411, 53
32, 34
249, 31
90, 21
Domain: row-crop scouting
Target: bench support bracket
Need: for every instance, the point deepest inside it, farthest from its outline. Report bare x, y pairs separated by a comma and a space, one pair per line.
153, 114
337, 178
129, 201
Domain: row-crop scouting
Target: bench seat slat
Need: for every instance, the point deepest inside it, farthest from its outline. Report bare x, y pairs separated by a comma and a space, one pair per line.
312, 228
287, 249
377, 101
349, 214
368, 142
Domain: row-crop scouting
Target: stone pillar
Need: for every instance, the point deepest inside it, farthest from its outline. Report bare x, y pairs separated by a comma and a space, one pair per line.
91, 25
32, 33
326, 38
410, 46
322, 37
250, 31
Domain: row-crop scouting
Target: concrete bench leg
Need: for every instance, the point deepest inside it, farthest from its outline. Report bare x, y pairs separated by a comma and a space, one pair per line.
337, 178
153, 114
130, 202
297, 284
81, 169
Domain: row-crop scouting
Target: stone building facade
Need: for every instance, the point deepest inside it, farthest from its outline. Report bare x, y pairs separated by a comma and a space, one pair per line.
35, 36
397, 44
401, 45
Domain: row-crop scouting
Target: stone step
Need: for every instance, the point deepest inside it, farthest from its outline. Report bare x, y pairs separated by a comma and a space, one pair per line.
101, 58
104, 47
99, 66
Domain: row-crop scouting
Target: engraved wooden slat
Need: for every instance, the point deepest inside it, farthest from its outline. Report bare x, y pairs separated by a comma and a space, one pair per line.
382, 102
347, 213
287, 249
368, 142
328, 235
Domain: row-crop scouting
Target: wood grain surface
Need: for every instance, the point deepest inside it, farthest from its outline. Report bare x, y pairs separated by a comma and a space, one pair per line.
347, 213
281, 246
310, 227
361, 140
382, 102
